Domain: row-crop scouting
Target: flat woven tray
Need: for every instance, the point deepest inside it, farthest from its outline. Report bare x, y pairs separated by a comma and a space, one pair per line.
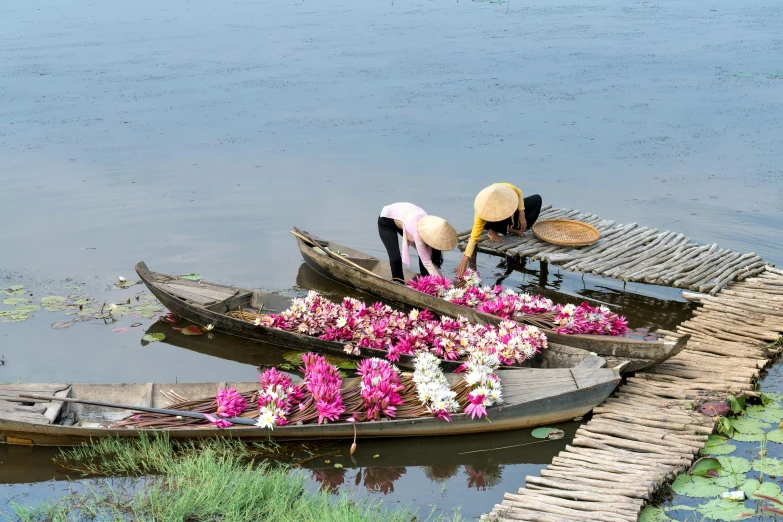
566, 232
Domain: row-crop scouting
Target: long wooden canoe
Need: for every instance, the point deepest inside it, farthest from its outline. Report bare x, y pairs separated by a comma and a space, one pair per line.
204, 303
532, 397
372, 275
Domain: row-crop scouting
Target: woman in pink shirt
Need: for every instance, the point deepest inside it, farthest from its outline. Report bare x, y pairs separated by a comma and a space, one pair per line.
429, 234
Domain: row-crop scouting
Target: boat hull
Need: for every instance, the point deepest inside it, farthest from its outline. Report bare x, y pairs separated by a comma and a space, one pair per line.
639, 354
538, 408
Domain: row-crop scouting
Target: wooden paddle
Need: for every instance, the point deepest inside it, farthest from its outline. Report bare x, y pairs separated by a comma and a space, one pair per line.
179, 413
335, 256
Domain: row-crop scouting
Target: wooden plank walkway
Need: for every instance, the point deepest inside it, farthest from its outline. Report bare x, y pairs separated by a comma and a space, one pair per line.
632, 253
638, 440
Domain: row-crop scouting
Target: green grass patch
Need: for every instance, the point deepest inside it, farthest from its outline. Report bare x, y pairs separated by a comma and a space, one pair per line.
213, 480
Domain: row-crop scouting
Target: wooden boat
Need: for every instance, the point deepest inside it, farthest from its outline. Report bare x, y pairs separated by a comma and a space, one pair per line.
205, 304
532, 397
372, 275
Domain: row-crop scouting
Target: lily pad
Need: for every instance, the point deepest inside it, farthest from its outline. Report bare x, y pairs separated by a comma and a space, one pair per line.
734, 464
697, 487
723, 509
18, 318
153, 338
768, 489
718, 449
53, 300
338, 465
126, 284
748, 437
768, 398
750, 486
27, 308
732, 472
707, 466
770, 466
772, 413
13, 301
81, 302
15, 290
120, 329
192, 330
653, 514
775, 436
192, 277
737, 404
749, 425
147, 297
548, 433
59, 325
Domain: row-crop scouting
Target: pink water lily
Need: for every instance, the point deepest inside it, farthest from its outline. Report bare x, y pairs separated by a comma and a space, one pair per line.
476, 407
323, 381
230, 403
380, 385
217, 422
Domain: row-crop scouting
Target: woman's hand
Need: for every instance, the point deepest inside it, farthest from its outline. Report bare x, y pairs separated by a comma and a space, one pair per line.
461, 267
522, 223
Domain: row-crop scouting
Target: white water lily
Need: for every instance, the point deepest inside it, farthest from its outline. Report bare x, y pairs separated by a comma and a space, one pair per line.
122, 279
257, 322
266, 419
112, 307
209, 327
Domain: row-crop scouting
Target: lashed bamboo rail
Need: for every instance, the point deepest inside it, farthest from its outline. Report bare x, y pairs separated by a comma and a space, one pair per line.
638, 440
632, 253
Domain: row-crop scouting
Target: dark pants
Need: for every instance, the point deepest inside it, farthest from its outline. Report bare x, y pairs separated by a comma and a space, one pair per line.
532, 210
388, 230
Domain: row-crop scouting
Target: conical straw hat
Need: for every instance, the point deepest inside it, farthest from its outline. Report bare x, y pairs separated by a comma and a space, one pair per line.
496, 203
437, 233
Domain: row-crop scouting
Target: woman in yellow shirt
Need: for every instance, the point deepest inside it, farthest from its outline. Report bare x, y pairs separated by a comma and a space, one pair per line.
500, 208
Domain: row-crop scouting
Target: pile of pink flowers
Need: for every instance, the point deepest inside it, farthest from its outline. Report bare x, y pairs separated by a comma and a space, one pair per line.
506, 303
585, 319
382, 328
277, 398
323, 381
380, 385
230, 404
381, 392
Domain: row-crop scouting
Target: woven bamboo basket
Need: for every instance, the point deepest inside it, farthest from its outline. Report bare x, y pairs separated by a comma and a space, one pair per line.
566, 232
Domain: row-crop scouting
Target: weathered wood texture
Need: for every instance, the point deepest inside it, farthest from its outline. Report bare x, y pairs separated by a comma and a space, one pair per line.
632, 253
646, 434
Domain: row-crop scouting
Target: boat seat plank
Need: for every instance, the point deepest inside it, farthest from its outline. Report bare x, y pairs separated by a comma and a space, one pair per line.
592, 361
589, 377
215, 295
523, 396
164, 279
21, 416
55, 407
188, 296
37, 408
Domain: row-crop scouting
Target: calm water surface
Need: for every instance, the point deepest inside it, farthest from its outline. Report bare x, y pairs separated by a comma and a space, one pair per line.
192, 135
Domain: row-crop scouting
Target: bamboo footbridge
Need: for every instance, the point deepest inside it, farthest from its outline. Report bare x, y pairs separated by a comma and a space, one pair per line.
648, 432
632, 253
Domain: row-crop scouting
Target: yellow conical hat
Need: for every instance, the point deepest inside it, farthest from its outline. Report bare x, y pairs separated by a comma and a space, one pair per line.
496, 203
437, 233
